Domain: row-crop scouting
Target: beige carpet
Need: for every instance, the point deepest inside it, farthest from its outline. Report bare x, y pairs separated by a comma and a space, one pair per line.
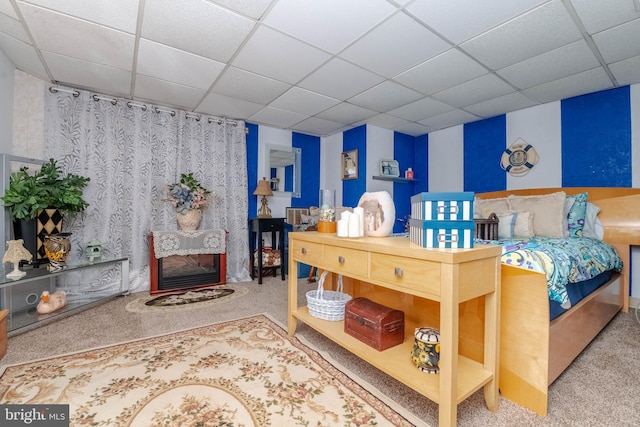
245, 372
599, 389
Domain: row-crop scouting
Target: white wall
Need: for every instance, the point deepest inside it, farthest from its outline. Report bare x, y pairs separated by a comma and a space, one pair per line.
330, 149
6, 102
379, 147
446, 159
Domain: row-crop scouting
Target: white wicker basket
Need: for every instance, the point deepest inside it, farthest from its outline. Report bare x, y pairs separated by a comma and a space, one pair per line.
327, 305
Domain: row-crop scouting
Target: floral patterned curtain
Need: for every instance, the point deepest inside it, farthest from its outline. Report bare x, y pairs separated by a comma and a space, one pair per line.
131, 154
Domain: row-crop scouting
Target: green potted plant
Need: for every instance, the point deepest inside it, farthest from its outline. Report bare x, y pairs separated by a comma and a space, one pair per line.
29, 195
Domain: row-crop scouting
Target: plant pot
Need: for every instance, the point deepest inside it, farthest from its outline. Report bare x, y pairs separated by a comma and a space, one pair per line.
190, 220
33, 232
57, 248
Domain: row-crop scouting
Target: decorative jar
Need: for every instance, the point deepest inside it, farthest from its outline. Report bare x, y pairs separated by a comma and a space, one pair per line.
327, 219
426, 350
57, 248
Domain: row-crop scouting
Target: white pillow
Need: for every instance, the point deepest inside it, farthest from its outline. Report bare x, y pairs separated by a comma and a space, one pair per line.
482, 208
515, 224
592, 225
549, 219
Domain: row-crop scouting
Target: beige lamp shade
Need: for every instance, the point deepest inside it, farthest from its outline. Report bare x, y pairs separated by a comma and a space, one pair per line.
264, 190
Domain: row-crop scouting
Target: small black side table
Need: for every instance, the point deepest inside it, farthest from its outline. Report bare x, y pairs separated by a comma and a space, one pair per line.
257, 226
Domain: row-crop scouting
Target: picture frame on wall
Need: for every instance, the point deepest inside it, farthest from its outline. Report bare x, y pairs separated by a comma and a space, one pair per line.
349, 162
389, 168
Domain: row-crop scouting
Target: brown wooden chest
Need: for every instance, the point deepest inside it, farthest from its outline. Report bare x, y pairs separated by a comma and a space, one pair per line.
374, 324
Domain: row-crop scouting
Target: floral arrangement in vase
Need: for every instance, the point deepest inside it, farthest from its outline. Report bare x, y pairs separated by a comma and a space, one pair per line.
188, 197
188, 194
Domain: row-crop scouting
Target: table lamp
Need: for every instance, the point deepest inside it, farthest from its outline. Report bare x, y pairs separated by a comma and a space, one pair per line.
263, 190
15, 253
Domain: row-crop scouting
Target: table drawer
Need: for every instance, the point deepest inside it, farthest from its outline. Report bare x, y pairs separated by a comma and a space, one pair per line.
347, 261
407, 272
307, 252
268, 224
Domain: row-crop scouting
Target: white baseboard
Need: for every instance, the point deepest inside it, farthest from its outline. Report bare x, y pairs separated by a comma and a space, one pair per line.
633, 303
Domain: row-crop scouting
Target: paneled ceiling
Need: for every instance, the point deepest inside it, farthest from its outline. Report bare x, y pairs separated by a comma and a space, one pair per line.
323, 66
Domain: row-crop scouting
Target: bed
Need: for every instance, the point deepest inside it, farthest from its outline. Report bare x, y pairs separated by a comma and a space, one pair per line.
535, 350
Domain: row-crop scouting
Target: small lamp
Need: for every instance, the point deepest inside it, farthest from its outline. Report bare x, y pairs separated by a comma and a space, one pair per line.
15, 253
263, 190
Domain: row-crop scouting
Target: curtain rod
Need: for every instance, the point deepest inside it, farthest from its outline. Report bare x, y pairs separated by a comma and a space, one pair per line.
130, 104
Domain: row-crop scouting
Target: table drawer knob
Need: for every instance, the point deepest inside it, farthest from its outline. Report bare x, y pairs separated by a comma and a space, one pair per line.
341, 259
304, 251
398, 272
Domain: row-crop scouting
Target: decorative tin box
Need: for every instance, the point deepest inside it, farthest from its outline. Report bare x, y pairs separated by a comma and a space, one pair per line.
442, 234
443, 206
426, 350
374, 324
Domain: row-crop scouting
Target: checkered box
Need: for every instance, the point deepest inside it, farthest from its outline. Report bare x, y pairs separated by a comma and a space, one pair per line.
443, 206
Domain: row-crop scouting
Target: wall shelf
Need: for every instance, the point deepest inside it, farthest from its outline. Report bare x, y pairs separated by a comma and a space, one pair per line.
394, 179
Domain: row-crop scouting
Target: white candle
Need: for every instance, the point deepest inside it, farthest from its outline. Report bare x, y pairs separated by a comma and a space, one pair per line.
354, 226
345, 215
360, 212
343, 228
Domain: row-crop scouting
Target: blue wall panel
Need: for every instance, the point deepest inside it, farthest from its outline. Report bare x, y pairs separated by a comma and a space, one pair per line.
421, 168
353, 189
596, 139
484, 143
310, 173
252, 169
404, 151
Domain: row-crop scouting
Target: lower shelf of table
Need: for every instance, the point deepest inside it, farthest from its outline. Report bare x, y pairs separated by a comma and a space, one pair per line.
396, 361
27, 319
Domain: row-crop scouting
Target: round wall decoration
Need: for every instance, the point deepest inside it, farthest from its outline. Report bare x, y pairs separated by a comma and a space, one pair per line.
519, 158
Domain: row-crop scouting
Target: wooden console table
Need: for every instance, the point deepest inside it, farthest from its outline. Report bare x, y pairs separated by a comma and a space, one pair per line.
428, 285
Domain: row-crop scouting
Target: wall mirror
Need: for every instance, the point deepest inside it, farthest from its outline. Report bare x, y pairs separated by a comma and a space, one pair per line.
283, 167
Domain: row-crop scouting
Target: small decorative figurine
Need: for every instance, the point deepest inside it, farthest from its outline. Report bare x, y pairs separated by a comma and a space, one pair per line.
15, 253
51, 302
93, 250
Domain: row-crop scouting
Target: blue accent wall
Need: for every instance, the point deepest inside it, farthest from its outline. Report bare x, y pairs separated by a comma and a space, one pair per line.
353, 189
310, 173
252, 170
596, 139
421, 165
404, 151
484, 143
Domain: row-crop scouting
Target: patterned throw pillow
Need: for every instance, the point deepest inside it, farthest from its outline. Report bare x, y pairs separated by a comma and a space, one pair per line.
576, 215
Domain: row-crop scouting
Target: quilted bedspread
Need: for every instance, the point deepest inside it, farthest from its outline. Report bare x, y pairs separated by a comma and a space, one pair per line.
563, 260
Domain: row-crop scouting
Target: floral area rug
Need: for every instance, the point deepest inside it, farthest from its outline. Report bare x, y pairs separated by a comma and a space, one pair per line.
245, 372
195, 298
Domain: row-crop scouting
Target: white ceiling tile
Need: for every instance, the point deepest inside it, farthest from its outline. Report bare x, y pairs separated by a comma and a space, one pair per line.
546, 27
567, 60
303, 101
167, 92
425, 107
602, 14
249, 86
6, 8
317, 126
346, 113
340, 79
80, 39
392, 47
626, 71
196, 26
276, 117
413, 129
167, 63
577, 84
474, 91
328, 24
451, 118
118, 14
460, 20
385, 96
251, 8
13, 28
608, 42
501, 105
446, 70
279, 56
386, 121
78, 73
225, 106
23, 56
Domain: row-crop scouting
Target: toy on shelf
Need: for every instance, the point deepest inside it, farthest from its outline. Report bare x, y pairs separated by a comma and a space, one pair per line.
51, 302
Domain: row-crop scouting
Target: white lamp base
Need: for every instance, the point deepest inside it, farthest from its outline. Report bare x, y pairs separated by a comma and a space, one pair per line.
16, 273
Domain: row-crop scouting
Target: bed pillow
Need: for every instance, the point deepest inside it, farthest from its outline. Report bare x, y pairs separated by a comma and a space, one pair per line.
515, 224
549, 219
483, 208
576, 214
592, 225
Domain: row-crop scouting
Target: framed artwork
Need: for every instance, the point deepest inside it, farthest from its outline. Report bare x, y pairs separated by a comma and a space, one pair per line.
294, 215
389, 168
350, 165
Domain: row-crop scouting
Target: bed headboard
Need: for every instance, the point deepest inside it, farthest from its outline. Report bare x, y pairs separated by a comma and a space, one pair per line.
619, 213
